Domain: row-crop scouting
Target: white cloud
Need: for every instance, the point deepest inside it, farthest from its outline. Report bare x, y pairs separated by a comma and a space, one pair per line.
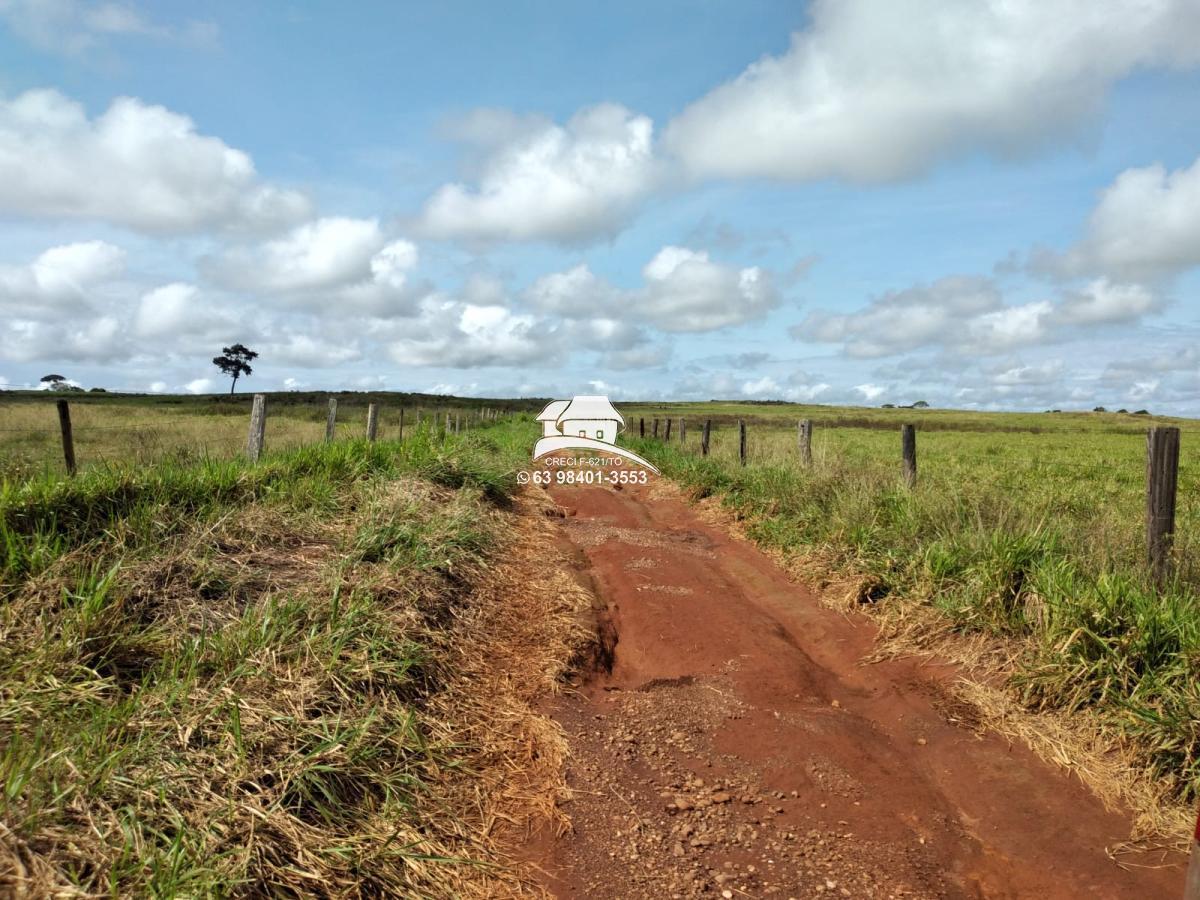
73, 27
565, 183
136, 165
870, 391
1048, 372
686, 291
1142, 391
101, 339
179, 311
1007, 328
1146, 224
60, 280
331, 258
157, 387
905, 320
683, 291
575, 293
459, 335
199, 386
1102, 302
1175, 359
967, 315
765, 385
877, 90
318, 255
311, 352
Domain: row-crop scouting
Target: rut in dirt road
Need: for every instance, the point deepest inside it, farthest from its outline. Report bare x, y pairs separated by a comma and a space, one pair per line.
738, 748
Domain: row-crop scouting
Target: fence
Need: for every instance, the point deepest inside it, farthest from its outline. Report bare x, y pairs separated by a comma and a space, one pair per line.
1162, 453
1162, 477
129, 439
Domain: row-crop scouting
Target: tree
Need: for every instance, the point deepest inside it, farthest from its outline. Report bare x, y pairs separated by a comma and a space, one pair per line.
58, 383
235, 361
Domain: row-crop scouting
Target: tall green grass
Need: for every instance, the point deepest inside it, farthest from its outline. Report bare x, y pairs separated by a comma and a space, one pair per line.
214, 678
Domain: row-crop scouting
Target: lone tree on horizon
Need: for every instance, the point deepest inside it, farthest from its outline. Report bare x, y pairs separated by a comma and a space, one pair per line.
235, 361
58, 383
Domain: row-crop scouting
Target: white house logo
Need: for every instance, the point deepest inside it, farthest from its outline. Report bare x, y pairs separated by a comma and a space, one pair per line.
583, 423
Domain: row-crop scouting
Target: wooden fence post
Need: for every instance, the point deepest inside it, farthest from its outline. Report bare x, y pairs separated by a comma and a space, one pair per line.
656, 429
704, 437
331, 420
258, 428
400, 435
1162, 477
805, 439
742, 441
682, 431
641, 427
68, 438
908, 449
667, 435
372, 420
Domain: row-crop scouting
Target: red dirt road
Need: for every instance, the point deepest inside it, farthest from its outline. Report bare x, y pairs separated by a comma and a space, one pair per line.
739, 748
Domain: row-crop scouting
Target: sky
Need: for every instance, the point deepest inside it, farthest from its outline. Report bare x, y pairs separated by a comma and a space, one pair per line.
983, 205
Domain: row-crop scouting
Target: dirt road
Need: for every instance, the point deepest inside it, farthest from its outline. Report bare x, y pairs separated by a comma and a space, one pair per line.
738, 748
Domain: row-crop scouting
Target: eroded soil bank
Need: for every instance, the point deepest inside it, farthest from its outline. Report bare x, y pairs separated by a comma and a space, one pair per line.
739, 748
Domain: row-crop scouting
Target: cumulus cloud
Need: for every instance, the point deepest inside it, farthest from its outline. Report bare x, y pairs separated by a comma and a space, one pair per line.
311, 352
686, 291
178, 310
331, 258
61, 280
906, 320
136, 165
968, 315
459, 335
544, 181
575, 293
683, 290
100, 339
875, 90
199, 386
1146, 224
1103, 302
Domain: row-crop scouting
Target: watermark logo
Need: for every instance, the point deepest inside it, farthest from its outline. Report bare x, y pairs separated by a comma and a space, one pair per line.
583, 423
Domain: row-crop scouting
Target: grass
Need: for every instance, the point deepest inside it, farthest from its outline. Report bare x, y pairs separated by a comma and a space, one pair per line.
1032, 535
218, 678
150, 429
226, 679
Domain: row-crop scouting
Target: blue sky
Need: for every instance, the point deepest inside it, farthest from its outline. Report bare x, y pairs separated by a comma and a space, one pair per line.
991, 205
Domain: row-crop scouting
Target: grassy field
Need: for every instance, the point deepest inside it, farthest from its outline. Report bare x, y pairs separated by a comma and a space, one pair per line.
148, 428
163, 648
222, 679
1029, 527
